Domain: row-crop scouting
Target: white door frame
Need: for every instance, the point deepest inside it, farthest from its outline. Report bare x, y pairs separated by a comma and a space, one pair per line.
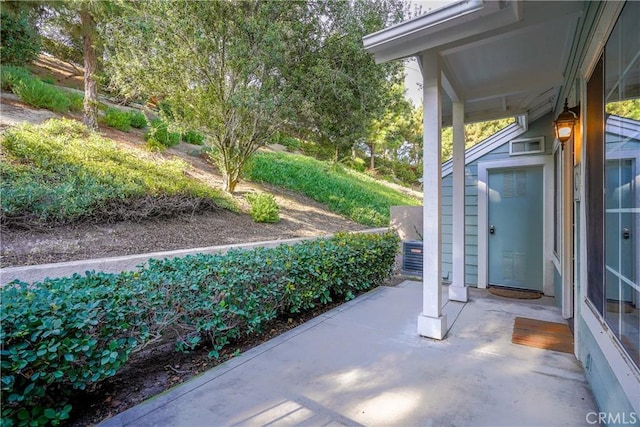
546, 161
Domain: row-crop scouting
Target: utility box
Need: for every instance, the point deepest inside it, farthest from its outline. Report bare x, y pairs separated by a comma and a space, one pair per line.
412, 257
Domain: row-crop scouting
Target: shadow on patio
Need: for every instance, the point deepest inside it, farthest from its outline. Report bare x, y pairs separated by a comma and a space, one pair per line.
364, 364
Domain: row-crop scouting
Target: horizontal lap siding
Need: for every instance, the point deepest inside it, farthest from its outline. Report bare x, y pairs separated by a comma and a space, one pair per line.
471, 218
540, 127
447, 220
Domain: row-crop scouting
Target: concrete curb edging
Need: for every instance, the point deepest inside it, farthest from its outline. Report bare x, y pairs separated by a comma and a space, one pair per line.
36, 273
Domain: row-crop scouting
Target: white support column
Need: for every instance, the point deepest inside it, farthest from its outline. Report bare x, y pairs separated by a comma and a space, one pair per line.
457, 290
431, 322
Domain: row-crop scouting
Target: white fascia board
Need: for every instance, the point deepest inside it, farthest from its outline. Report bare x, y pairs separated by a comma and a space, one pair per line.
491, 143
408, 38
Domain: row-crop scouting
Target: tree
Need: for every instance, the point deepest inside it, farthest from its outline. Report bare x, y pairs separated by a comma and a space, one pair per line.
214, 63
390, 130
339, 88
473, 133
88, 24
73, 25
19, 39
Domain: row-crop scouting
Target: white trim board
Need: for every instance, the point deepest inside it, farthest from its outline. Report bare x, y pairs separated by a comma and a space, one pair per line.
547, 221
626, 373
488, 145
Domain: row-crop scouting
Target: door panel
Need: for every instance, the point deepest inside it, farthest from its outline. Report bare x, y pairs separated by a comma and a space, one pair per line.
515, 227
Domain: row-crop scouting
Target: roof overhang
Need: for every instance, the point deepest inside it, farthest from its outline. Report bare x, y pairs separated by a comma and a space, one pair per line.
438, 27
501, 58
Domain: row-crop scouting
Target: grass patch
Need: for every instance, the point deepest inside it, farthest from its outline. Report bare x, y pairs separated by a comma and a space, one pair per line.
10, 75
117, 119
39, 93
344, 191
60, 172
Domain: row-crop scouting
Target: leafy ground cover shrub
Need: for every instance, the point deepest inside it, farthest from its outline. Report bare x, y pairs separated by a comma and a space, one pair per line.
193, 137
264, 207
137, 119
60, 172
70, 333
41, 95
10, 75
159, 135
63, 337
49, 80
117, 119
344, 191
76, 102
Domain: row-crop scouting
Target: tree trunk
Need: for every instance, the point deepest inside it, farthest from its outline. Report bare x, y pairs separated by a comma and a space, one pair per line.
90, 116
372, 160
230, 184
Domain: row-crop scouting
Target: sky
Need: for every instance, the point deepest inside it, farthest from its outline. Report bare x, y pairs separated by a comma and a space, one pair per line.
413, 79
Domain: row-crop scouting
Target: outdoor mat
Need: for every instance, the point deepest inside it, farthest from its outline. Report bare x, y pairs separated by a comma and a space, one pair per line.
541, 334
514, 293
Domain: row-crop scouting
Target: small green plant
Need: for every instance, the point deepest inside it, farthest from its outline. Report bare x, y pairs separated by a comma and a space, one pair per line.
357, 164
76, 102
193, 137
10, 75
159, 131
117, 119
154, 146
291, 144
137, 119
49, 80
41, 95
264, 207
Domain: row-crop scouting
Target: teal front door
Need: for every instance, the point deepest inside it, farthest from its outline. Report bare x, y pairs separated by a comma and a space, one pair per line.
515, 227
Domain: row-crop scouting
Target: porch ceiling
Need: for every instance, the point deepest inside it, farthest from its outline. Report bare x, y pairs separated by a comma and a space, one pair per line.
500, 58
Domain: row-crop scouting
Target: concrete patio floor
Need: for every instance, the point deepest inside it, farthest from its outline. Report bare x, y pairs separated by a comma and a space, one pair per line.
364, 364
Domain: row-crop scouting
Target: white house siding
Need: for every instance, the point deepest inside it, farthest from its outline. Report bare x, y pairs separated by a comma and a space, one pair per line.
541, 127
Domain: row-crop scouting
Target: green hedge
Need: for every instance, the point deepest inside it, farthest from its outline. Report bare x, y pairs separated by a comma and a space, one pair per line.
66, 334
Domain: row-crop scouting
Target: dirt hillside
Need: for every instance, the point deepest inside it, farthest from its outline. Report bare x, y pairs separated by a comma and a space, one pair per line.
300, 216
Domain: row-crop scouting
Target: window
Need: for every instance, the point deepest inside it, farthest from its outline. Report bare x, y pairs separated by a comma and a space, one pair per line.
526, 146
613, 196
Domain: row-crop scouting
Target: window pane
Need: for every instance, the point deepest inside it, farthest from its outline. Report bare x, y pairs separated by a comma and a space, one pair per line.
622, 178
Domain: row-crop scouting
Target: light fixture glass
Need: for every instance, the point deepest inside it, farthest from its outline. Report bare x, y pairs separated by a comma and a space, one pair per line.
565, 122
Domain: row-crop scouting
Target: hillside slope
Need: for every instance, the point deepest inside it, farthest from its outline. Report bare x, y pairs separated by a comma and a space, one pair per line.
300, 216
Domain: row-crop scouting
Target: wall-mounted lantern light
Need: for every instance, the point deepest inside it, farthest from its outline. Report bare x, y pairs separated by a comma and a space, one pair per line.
565, 122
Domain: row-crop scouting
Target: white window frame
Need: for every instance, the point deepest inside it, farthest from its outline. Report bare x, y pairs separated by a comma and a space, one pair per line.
539, 139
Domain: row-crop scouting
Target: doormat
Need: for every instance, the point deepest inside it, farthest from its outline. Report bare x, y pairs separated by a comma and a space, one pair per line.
514, 293
541, 334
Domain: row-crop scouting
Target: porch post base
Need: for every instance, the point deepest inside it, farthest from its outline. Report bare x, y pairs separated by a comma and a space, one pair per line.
458, 293
432, 327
